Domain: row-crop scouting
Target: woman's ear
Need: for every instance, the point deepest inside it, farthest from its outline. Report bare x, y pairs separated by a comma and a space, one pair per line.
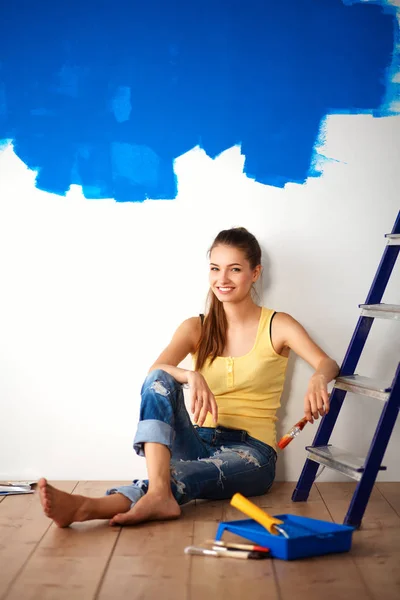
256, 273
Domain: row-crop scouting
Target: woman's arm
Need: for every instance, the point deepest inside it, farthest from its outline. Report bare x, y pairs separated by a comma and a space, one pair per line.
287, 332
184, 342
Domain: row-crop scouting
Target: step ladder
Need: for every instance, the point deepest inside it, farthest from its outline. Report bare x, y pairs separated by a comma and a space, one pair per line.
321, 452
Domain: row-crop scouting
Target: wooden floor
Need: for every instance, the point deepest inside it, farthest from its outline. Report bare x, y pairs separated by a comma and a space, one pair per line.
92, 560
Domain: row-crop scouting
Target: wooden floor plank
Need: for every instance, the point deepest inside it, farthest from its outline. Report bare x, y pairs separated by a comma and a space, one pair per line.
329, 577
68, 563
378, 515
281, 493
391, 492
22, 525
210, 510
342, 491
229, 578
377, 555
204, 510
149, 562
376, 545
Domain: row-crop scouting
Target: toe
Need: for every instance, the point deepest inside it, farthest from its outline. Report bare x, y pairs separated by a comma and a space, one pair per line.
119, 519
116, 519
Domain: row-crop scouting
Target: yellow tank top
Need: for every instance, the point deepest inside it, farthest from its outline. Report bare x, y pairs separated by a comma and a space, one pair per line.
248, 388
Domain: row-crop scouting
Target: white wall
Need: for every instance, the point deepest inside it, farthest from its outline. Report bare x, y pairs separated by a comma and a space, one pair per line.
91, 292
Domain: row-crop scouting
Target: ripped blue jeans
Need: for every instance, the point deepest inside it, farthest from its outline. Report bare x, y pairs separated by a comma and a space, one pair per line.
206, 463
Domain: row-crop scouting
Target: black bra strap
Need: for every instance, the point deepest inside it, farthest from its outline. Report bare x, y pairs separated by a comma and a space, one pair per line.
270, 329
202, 318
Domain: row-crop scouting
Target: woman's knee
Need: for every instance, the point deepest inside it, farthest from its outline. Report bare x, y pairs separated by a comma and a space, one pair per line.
161, 395
161, 382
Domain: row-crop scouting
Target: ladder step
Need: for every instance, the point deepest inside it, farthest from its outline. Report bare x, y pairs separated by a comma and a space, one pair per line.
381, 311
365, 386
339, 460
393, 239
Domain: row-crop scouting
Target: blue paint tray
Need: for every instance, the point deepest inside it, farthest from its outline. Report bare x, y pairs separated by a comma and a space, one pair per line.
307, 537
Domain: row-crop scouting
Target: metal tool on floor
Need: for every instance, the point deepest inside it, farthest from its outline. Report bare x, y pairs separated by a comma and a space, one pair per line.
321, 452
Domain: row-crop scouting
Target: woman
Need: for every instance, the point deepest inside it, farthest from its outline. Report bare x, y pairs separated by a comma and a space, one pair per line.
240, 355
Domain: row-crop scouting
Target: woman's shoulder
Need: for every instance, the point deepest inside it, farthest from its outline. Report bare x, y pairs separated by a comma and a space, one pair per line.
283, 326
192, 327
282, 317
268, 313
279, 321
275, 311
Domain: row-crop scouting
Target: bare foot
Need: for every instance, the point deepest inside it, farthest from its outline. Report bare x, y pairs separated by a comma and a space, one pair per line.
63, 508
150, 507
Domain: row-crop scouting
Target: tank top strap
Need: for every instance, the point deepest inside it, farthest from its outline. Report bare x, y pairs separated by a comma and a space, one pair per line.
264, 339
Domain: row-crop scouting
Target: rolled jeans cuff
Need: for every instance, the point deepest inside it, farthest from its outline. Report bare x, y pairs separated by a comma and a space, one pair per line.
132, 492
152, 430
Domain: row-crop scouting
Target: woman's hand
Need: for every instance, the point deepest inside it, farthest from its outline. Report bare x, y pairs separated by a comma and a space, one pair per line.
202, 399
316, 400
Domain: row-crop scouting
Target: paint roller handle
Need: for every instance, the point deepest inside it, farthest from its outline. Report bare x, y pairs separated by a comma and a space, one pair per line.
255, 512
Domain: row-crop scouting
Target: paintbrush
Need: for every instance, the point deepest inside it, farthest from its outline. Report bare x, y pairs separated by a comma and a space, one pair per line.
225, 553
290, 435
235, 546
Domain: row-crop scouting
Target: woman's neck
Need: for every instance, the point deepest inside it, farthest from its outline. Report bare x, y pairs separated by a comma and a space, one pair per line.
242, 312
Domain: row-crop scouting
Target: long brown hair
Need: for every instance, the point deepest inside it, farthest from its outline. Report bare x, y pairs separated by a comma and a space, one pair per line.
213, 335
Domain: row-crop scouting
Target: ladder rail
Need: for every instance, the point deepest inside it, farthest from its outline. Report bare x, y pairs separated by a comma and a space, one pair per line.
374, 296
375, 455
383, 273
359, 339
349, 365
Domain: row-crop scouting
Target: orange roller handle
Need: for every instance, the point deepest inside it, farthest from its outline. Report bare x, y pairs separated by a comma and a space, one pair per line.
255, 512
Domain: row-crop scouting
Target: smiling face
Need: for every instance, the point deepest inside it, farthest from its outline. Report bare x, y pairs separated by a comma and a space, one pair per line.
231, 276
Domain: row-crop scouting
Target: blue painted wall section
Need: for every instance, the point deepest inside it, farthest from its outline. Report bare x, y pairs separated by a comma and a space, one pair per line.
107, 94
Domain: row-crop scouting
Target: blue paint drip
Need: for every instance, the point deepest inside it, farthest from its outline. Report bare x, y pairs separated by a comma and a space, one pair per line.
107, 95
